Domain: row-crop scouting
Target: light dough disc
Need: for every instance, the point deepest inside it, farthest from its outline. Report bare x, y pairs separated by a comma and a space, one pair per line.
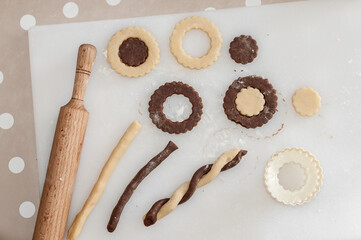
176, 41
133, 32
306, 101
250, 101
312, 170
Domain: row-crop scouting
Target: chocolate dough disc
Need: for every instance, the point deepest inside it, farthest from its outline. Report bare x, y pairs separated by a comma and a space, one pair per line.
264, 87
243, 49
133, 52
156, 107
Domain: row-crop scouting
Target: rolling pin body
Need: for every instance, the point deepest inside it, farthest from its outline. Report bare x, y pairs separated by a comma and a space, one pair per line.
65, 154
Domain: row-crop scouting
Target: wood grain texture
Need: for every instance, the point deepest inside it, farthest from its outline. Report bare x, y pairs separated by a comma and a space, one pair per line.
65, 154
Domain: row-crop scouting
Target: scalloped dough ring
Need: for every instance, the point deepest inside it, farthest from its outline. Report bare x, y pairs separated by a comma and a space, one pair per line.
113, 50
176, 41
312, 170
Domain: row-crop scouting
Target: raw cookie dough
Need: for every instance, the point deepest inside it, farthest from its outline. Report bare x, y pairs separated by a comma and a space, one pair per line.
114, 56
176, 41
138, 178
266, 89
243, 49
103, 178
306, 101
201, 177
133, 52
312, 170
156, 107
250, 101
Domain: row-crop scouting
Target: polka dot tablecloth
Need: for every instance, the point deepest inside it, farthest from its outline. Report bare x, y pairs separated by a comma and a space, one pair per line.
19, 183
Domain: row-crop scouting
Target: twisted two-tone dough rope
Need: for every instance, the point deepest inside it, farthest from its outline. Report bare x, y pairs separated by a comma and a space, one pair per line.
201, 177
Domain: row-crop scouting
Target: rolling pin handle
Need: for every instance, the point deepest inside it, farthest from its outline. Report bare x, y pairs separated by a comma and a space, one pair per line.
84, 65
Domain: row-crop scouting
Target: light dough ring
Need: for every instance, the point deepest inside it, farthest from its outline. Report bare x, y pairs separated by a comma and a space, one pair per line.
176, 41
312, 170
113, 50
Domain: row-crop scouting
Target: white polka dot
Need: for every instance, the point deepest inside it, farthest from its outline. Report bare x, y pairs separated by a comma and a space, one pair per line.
27, 209
209, 9
113, 2
1, 77
70, 10
252, 3
6, 121
27, 21
16, 165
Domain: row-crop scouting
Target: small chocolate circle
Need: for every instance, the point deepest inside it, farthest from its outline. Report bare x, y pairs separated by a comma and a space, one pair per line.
156, 107
270, 97
243, 49
133, 52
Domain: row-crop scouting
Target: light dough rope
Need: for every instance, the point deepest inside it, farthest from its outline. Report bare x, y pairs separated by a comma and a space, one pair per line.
100, 185
201, 177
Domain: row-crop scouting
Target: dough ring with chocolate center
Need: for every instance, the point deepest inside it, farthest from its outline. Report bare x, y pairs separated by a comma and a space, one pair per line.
270, 99
176, 41
156, 107
137, 48
312, 170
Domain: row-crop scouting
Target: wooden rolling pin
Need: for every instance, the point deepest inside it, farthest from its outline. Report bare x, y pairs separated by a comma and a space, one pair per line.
65, 153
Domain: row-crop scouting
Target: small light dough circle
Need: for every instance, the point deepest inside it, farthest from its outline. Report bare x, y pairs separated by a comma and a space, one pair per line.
250, 101
312, 170
306, 101
113, 50
176, 41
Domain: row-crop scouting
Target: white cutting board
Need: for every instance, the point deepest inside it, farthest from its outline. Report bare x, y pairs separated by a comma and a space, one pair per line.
314, 44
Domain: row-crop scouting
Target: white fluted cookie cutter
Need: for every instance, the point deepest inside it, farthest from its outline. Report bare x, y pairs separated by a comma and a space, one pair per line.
312, 170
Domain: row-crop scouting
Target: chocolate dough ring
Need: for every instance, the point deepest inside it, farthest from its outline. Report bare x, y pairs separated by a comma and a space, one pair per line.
176, 41
113, 52
156, 107
264, 87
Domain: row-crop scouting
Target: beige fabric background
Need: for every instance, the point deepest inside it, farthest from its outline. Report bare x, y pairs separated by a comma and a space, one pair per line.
16, 96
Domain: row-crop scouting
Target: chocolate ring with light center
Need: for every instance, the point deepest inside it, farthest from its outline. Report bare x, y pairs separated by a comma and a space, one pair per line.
270, 98
156, 107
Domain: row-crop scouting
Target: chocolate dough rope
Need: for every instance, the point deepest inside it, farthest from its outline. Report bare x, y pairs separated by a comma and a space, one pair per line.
201, 177
150, 166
